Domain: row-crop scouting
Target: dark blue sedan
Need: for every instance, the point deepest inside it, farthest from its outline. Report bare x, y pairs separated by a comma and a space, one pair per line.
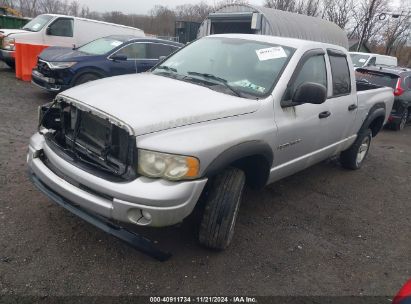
61, 68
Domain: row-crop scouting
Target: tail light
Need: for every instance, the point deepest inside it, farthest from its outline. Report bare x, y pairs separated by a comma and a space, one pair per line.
398, 89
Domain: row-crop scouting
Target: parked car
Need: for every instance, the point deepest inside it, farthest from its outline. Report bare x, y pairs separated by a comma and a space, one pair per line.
59, 30
61, 68
367, 59
399, 79
223, 112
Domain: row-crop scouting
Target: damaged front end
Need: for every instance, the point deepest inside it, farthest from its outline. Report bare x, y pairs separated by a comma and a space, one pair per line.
89, 140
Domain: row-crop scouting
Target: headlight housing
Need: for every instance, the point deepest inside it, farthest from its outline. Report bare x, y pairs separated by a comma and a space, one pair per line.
60, 65
9, 44
167, 166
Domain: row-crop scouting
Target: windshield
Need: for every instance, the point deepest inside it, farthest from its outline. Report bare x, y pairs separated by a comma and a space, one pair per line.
37, 23
232, 66
359, 60
100, 46
380, 79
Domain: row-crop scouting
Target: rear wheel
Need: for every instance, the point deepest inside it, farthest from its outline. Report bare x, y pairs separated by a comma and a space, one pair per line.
403, 122
221, 209
86, 78
353, 157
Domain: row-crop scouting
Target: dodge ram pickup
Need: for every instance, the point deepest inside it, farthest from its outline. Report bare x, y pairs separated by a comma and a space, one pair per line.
223, 112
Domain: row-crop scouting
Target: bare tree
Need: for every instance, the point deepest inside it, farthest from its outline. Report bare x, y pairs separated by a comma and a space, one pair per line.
396, 32
338, 11
284, 5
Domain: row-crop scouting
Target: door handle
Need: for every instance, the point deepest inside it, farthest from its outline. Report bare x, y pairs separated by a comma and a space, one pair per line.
324, 114
352, 107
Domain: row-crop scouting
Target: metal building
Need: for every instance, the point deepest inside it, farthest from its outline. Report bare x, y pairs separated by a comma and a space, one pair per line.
186, 31
249, 19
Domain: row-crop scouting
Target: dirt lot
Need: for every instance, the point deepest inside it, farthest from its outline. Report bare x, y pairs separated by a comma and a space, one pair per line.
324, 231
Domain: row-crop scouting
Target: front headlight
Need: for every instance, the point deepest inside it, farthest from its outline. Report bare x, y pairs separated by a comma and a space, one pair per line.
9, 44
167, 166
60, 65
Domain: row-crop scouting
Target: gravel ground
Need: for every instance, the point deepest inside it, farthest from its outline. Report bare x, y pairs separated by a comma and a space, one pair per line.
324, 231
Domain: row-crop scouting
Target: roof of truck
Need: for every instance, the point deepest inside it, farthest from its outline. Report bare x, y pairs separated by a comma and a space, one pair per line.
290, 42
96, 21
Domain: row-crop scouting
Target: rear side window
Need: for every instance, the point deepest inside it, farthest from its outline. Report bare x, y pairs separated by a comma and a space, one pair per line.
340, 74
156, 50
134, 51
62, 27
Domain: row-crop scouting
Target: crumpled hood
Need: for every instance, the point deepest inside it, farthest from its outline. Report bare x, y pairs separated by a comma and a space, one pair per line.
56, 53
149, 103
7, 32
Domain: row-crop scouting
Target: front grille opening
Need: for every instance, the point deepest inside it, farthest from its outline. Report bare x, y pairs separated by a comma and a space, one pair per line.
91, 140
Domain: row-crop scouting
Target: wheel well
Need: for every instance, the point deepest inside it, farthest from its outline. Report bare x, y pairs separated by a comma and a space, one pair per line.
256, 169
88, 71
376, 125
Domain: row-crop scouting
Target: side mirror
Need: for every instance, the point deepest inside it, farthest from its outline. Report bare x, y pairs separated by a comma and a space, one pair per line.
118, 57
310, 92
48, 31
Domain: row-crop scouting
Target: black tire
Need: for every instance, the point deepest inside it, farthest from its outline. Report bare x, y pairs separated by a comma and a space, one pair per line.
11, 65
350, 158
403, 122
221, 209
86, 78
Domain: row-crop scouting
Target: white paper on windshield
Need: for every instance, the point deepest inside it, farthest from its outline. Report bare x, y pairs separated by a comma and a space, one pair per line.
116, 43
36, 26
362, 60
271, 53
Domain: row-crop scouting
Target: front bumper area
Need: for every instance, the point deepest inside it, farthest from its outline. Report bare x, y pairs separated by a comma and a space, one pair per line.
143, 201
46, 83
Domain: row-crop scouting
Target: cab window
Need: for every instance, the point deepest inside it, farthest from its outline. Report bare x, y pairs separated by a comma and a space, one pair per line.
62, 27
340, 73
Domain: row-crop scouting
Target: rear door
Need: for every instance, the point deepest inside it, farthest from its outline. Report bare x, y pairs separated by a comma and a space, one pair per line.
342, 103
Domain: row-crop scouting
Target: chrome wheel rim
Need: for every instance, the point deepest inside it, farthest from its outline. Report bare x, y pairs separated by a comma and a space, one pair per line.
363, 149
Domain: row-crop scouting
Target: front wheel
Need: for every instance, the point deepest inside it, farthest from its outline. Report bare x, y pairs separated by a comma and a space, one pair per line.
353, 157
221, 209
86, 78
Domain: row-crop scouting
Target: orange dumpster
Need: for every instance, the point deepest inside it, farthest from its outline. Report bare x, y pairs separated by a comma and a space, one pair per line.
26, 59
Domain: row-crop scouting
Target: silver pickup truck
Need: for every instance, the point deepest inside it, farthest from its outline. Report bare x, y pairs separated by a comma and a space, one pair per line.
224, 112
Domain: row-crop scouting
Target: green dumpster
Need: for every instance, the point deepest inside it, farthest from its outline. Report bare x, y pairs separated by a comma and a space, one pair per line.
11, 22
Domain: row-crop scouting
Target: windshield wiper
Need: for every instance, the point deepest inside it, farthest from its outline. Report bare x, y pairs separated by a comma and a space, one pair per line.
166, 68
219, 79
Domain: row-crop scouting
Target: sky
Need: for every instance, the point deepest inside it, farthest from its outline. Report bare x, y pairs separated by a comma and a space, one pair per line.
140, 6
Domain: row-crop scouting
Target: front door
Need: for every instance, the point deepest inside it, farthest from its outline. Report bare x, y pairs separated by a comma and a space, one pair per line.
301, 128
60, 32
